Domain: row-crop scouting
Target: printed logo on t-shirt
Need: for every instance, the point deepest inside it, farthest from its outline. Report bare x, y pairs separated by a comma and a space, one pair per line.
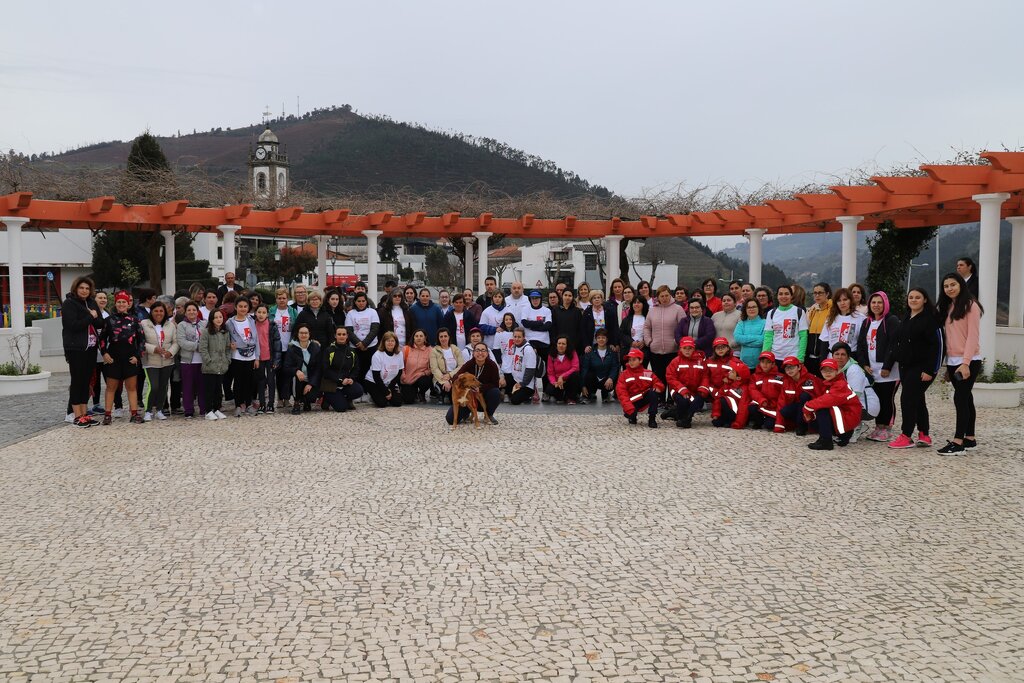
844, 332
247, 332
872, 335
517, 362
462, 326
283, 324
788, 328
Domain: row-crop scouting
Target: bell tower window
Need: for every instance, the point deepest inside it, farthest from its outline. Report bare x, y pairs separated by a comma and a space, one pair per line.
261, 182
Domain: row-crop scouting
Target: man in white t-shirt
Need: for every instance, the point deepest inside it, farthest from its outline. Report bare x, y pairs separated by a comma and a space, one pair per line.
517, 301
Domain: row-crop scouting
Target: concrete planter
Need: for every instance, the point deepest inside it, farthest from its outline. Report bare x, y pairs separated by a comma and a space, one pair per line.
1005, 395
17, 385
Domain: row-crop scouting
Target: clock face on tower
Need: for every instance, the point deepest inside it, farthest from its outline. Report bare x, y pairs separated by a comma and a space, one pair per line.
261, 153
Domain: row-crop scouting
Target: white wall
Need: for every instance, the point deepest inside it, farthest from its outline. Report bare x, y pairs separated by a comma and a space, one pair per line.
60, 248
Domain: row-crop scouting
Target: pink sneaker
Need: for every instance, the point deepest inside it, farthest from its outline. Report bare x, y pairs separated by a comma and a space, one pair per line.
923, 440
878, 434
901, 441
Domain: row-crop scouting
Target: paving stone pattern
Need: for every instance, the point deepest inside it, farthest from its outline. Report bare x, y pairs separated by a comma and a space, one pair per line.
378, 546
22, 416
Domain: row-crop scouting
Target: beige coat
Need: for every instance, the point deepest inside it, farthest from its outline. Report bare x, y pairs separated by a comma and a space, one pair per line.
437, 366
152, 359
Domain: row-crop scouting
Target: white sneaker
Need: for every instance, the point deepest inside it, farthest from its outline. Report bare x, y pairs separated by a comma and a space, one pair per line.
148, 417
220, 415
160, 415
118, 412
211, 415
69, 418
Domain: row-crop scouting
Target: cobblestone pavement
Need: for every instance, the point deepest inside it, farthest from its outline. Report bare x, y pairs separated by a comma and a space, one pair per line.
376, 546
22, 416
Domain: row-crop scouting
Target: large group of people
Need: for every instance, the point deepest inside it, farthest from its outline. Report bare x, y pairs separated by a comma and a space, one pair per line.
752, 357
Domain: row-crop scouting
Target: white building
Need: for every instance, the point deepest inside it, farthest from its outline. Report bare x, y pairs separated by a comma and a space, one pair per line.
53, 259
544, 264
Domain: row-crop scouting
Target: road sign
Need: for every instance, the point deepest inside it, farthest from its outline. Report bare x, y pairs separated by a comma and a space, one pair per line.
49, 275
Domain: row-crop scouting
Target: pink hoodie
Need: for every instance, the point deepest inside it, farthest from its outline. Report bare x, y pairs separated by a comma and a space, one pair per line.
963, 336
562, 368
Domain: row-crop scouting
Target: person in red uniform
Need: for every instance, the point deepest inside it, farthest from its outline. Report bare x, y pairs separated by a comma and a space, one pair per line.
734, 401
836, 410
686, 377
765, 391
718, 366
798, 387
638, 388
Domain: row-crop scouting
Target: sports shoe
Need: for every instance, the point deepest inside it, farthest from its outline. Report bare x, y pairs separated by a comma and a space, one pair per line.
584, 400
631, 418
859, 431
160, 415
70, 418
83, 422
923, 440
211, 415
901, 441
220, 415
970, 443
952, 449
875, 434
296, 409
821, 445
107, 420
148, 417
238, 412
118, 413
570, 402
251, 411
135, 419
97, 410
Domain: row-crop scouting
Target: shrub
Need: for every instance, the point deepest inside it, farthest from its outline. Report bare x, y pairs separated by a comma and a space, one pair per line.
1002, 373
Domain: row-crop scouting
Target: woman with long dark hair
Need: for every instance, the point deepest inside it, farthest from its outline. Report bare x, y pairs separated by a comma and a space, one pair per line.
918, 351
81, 320
631, 331
961, 325
875, 345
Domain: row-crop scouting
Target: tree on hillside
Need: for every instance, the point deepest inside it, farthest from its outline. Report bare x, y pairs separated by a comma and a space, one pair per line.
892, 250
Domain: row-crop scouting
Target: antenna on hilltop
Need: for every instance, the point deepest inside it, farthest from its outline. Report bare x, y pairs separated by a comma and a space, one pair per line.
282, 110
266, 114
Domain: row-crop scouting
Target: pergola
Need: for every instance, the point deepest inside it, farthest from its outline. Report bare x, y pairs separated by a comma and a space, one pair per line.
943, 195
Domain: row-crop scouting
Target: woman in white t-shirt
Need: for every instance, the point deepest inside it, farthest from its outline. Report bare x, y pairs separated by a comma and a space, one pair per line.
383, 380
843, 322
245, 357
502, 343
363, 325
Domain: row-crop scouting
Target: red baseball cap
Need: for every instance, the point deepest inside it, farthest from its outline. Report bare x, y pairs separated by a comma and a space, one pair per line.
767, 354
688, 341
790, 360
720, 341
635, 353
830, 363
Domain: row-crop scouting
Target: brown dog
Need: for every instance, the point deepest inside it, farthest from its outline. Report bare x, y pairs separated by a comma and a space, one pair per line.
466, 394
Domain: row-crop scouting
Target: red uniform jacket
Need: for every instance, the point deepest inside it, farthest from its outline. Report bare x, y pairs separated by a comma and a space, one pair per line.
717, 369
685, 376
840, 400
633, 384
791, 390
735, 393
765, 390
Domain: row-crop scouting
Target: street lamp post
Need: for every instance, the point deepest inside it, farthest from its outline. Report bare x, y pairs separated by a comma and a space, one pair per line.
910, 271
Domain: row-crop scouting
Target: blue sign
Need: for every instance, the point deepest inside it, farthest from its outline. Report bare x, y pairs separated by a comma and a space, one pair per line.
49, 275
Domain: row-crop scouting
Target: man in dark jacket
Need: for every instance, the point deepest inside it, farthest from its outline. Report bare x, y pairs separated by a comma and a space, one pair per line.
427, 316
229, 284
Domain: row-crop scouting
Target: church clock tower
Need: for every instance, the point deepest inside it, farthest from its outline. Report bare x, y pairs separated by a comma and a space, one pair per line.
268, 166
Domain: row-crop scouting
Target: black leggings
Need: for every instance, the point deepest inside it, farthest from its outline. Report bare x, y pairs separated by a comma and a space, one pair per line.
912, 403
570, 392
659, 364
244, 378
81, 364
157, 380
886, 401
212, 387
379, 394
420, 386
963, 399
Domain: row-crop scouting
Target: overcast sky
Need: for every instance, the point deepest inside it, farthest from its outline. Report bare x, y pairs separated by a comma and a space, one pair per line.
630, 95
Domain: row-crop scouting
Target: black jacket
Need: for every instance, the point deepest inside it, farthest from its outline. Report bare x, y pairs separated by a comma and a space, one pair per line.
885, 342
223, 289
568, 322
76, 321
918, 343
321, 325
387, 321
611, 321
340, 363
469, 321
293, 362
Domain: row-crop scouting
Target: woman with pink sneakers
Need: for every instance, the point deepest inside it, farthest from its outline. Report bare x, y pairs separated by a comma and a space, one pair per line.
918, 351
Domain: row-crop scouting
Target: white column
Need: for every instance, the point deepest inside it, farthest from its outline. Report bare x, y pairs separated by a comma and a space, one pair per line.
15, 270
228, 231
1017, 272
849, 272
468, 241
321, 262
371, 263
755, 255
169, 261
988, 271
611, 261
482, 255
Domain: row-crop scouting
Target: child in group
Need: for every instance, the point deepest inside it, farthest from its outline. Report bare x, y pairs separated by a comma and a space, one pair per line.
600, 368
836, 410
734, 400
765, 392
860, 385
245, 357
638, 388
718, 367
270, 358
798, 387
522, 369
476, 336
215, 350
686, 377
502, 343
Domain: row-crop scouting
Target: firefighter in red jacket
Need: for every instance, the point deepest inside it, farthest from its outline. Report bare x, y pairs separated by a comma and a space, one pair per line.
765, 391
685, 377
638, 388
798, 387
734, 402
836, 410
718, 366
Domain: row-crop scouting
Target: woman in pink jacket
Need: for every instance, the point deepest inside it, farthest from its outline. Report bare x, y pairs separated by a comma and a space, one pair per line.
961, 330
660, 331
563, 380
